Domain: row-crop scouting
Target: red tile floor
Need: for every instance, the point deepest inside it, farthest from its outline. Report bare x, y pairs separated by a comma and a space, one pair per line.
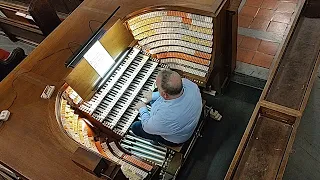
269, 16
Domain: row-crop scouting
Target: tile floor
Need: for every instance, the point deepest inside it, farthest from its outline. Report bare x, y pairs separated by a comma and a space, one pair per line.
262, 19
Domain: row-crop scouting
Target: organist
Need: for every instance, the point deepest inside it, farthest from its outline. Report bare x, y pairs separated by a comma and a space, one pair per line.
175, 110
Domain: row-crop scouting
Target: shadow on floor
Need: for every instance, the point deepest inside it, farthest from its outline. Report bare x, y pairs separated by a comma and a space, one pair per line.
213, 153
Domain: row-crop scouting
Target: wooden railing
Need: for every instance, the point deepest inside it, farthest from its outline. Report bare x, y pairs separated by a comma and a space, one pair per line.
267, 141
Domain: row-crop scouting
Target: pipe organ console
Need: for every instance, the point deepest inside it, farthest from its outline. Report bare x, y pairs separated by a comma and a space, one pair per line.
112, 106
188, 40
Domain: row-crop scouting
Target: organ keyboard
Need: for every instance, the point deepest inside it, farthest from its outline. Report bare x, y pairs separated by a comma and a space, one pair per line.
114, 102
113, 106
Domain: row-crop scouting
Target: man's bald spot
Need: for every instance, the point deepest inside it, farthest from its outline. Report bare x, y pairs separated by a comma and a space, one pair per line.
171, 82
175, 80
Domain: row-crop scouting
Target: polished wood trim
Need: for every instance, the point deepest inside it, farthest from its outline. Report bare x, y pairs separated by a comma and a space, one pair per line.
279, 108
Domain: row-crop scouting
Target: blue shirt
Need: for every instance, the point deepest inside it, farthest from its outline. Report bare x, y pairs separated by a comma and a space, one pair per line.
176, 119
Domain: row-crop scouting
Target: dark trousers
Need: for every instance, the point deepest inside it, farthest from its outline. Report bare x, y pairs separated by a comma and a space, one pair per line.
136, 128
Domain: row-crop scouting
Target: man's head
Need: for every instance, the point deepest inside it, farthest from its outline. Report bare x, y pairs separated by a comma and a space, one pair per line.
169, 84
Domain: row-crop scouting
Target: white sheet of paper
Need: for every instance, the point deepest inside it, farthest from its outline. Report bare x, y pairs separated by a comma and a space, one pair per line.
99, 58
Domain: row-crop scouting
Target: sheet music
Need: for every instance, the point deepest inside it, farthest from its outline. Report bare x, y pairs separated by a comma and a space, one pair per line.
99, 58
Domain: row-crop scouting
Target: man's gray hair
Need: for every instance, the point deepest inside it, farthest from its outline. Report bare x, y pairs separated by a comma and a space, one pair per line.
171, 82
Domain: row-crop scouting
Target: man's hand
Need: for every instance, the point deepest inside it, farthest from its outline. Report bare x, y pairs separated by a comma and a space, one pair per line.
139, 105
147, 96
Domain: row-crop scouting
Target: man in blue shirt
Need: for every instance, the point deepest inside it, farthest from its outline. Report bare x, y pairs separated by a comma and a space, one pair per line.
175, 110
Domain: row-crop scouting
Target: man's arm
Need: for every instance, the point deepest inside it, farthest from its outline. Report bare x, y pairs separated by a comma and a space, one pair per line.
144, 114
154, 124
155, 96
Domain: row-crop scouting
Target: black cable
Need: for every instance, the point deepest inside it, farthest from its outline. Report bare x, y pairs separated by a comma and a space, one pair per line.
93, 21
71, 47
12, 84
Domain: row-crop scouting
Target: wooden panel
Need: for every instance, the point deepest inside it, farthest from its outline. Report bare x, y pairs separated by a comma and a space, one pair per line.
265, 149
21, 30
97, 165
117, 39
65, 6
83, 83
232, 34
12, 14
278, 112
88, 160
32, 141
276, 115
